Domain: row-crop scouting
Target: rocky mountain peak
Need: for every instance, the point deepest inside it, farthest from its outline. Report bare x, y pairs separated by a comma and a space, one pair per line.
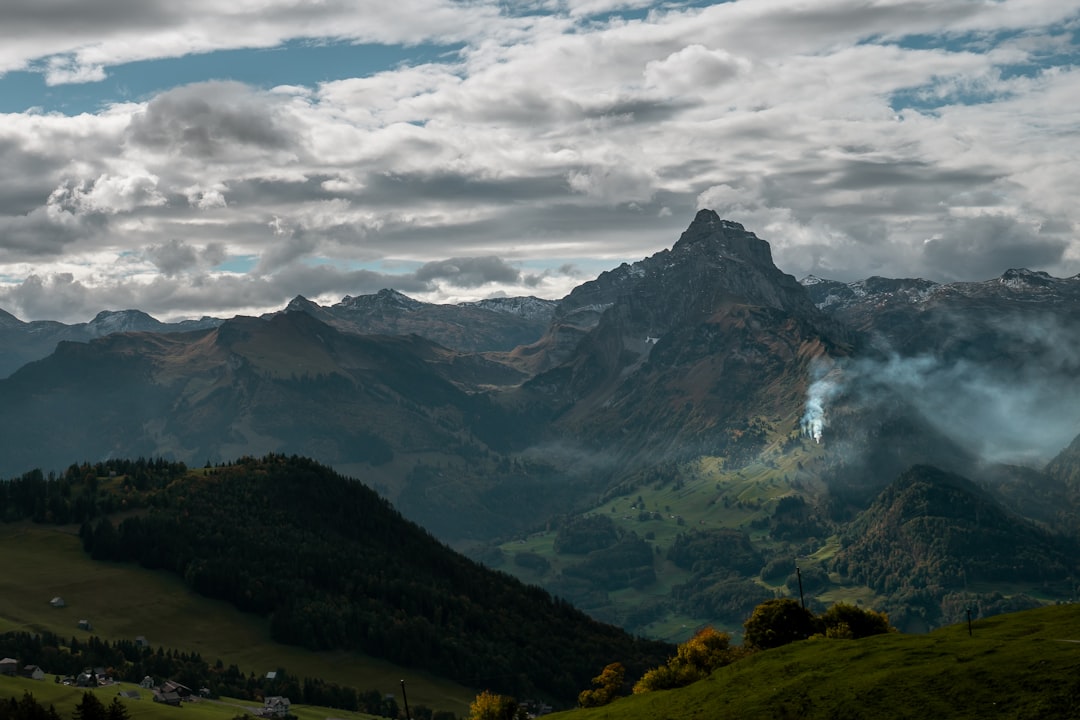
726, 238
386, 298
107, 322
1022, 277
301, 304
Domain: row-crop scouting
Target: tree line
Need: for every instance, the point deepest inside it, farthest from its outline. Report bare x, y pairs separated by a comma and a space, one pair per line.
334, 566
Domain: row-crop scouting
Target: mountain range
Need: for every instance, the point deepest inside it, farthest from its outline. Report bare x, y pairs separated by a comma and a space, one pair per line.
700, 388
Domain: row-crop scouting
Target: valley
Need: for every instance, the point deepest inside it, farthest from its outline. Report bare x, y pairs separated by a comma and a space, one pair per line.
664, 449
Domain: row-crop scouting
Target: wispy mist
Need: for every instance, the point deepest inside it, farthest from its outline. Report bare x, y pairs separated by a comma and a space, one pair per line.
1020, 406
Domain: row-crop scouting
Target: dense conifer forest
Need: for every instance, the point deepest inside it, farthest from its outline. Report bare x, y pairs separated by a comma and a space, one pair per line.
333, 566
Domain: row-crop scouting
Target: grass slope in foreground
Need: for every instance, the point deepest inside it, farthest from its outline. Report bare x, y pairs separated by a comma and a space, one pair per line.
1020, 666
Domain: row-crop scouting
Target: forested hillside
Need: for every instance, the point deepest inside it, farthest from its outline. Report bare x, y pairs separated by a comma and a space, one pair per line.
333, 566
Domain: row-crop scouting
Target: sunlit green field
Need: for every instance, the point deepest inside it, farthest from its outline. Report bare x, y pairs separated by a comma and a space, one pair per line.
709, 497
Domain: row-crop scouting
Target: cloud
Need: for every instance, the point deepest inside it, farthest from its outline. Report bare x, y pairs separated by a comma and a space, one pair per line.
212, 120
904, 138
174, 256
469, 272
985, 245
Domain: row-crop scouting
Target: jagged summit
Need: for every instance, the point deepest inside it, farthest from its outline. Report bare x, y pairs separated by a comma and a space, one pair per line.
726, 237
1022, 277
300, 304
526, 307
385, 298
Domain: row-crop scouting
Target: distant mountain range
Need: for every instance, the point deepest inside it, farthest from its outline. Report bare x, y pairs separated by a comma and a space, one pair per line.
701, 384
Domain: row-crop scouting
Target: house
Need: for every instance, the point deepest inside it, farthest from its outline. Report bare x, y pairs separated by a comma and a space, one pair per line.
140, 642
58, 602
147, 683
86, 678
130, 694
275, 706
271, 675
33, 672
85, 625
9, 666
171, 686
167, 698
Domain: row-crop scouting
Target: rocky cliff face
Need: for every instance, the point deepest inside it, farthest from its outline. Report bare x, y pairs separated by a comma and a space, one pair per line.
690, 347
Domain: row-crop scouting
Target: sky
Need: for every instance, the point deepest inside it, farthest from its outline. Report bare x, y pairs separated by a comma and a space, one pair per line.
210, 158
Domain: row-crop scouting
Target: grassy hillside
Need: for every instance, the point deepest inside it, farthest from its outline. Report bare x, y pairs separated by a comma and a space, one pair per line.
1020, 666
64, 698
123, 601
660, 504
951, 544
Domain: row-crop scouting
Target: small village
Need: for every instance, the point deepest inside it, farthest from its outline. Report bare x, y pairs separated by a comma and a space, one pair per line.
166, 692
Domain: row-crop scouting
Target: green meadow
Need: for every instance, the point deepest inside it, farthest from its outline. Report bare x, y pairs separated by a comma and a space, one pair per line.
708, 496
124, 601
1021, 666
64, 698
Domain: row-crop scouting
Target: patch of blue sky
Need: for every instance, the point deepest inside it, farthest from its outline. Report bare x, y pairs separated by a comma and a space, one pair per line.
642, 10
1062, 51
237, 264
304, 63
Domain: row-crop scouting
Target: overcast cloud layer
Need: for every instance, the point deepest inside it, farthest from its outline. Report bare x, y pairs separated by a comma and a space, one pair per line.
551, 141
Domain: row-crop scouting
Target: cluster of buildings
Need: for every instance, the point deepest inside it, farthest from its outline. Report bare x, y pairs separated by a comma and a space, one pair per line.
169, 692
10, 666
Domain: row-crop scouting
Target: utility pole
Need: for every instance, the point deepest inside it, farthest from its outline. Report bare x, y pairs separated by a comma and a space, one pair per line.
405, 700
798, 574
969, 620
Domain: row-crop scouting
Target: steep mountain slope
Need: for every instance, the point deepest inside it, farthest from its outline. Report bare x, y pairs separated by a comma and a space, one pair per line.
931, 533
23, 342
499, 324
1020, 312
703, 347
287, 384
333, 566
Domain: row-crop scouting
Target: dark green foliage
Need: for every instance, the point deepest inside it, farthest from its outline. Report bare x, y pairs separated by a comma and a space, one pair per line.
778, 622
795, 519
814, 580
76, 495
334, 566
710, 551
116, 710
847, 621
724, 597
582, 535
629, 563
90, 708
719, 561
932, 532
26, 708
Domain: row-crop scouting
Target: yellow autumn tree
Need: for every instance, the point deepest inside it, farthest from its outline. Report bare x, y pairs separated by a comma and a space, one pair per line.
694, 659
491, 706
606, 686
